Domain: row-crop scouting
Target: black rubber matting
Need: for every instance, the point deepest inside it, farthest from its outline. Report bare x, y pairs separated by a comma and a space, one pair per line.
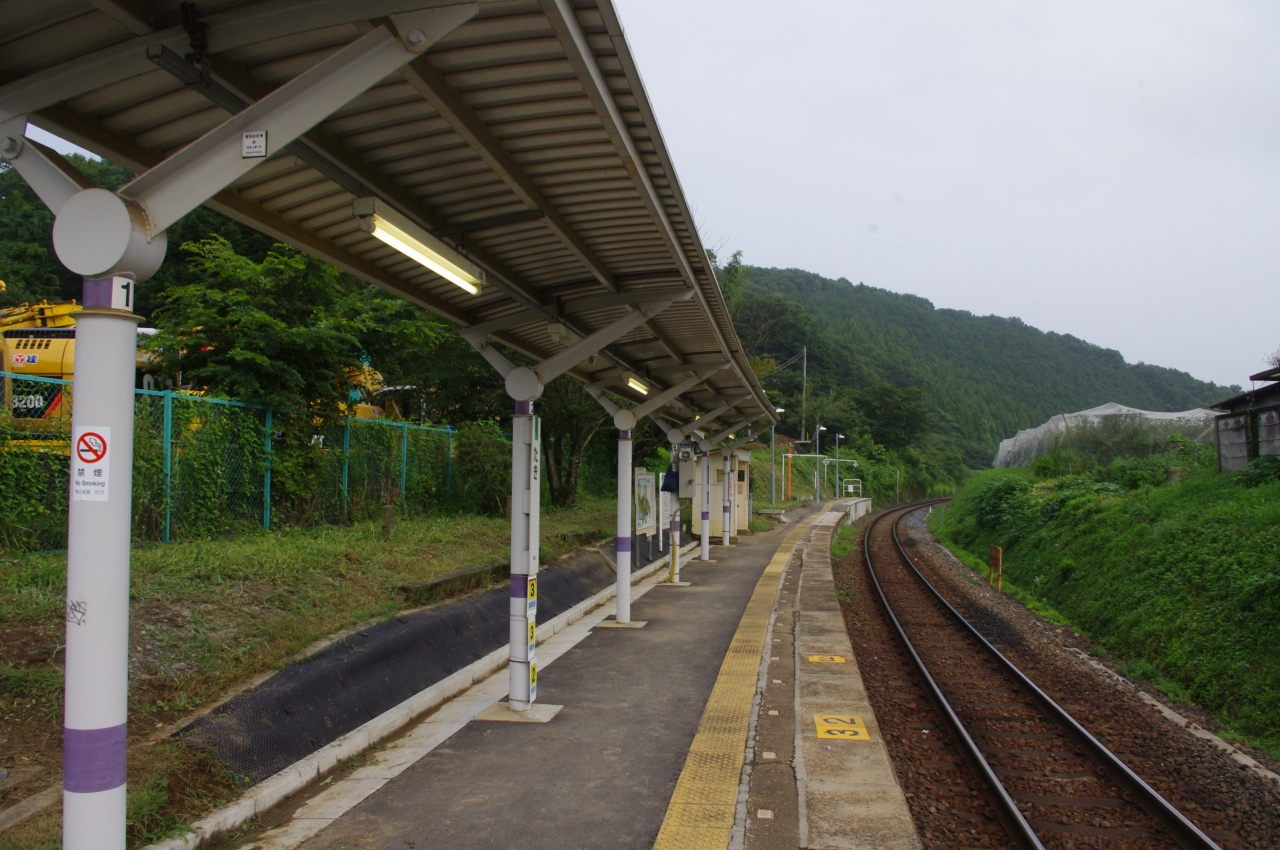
317, 700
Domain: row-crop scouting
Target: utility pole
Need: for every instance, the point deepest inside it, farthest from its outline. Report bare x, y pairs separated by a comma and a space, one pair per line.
804, 394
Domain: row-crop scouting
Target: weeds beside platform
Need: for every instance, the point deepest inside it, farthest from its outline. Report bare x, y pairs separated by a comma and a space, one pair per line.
208, 616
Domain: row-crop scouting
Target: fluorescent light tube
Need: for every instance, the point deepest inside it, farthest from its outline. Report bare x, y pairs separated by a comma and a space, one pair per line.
638, 386
392, 229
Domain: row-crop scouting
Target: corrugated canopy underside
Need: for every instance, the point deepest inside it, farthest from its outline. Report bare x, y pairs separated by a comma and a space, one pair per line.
524, 136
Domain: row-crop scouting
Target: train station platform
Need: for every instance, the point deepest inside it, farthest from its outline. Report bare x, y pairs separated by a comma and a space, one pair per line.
677, 734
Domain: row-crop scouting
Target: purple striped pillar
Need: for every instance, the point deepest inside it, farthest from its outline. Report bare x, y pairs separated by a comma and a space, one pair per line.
725, 519
706, 504
526, 472
98, 539
623, 609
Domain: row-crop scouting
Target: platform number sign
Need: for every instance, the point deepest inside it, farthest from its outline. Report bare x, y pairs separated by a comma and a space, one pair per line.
531, 598
533, 681
848, 727
90, 463
122, 291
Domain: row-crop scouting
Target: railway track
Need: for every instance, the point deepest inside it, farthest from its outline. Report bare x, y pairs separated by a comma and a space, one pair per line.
1050, 783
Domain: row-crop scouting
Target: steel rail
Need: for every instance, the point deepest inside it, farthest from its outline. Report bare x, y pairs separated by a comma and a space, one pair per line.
1182, 830
1015, 824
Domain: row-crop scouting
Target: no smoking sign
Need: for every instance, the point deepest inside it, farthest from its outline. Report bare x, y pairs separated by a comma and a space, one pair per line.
90, 463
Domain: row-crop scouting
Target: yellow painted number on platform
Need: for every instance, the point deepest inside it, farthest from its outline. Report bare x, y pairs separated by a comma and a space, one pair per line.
827, 659
847, 726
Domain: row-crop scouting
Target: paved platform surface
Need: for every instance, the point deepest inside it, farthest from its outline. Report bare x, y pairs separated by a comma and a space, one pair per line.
601, 773
679, 735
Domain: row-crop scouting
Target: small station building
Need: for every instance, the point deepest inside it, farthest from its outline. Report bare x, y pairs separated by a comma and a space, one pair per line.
739, 473
1250, 427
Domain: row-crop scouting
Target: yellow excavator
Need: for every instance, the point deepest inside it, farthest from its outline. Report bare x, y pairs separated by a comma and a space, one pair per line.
39, 340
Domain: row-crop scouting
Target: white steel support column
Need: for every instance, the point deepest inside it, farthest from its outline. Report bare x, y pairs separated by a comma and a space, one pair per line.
623, 614
98, 538
526, 481
725, 518
773, 464
675, 520
706, 504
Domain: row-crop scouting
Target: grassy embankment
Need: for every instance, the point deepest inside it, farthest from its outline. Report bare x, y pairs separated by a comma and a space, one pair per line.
207, 616
1179, 581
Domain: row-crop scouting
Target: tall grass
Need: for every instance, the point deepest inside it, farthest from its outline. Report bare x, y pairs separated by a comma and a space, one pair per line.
1180, 580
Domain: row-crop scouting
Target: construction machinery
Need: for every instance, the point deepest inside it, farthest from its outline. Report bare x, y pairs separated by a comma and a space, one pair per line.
39, 341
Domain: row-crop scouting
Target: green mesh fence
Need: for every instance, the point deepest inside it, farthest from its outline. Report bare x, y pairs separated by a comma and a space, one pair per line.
206, 466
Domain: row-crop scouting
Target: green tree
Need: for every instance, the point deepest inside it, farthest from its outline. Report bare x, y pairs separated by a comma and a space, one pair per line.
896, 417
259, 332
732, 276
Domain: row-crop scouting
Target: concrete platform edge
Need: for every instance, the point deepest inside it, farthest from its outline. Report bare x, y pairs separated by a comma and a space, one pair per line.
851, 796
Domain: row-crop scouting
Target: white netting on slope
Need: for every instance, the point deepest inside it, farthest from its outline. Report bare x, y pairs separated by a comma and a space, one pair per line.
1106, 430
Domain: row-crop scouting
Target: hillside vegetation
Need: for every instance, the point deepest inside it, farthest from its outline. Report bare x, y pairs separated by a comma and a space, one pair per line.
1181, 581
981, 378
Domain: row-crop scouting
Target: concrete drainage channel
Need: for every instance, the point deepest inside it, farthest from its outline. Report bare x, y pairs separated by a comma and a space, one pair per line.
476, 676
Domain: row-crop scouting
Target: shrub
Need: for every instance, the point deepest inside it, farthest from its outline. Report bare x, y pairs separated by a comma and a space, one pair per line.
1259, 471
483, 478
1003, 503
1134, 472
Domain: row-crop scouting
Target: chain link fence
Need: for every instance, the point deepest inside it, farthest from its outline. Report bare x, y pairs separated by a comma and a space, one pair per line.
205, 466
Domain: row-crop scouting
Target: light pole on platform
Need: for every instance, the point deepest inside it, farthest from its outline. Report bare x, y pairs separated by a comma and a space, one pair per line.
836, 484
817, 493
773, 460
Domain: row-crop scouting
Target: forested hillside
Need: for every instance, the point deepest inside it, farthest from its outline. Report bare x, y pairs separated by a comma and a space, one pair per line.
982, 377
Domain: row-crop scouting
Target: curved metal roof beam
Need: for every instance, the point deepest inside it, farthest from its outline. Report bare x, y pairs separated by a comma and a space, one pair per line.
565, 23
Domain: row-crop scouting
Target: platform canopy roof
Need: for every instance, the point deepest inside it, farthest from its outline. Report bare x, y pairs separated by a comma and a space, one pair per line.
523, 138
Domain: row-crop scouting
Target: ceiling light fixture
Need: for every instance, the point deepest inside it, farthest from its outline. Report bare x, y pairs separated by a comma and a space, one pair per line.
638, 385
391, 228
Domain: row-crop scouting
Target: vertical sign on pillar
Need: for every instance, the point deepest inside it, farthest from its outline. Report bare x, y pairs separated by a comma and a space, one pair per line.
664, 505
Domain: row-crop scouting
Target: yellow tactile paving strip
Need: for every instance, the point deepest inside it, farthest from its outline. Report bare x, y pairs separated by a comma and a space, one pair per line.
700, 814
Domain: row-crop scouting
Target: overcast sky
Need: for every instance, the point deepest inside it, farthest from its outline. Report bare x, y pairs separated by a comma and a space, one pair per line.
1105, 169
